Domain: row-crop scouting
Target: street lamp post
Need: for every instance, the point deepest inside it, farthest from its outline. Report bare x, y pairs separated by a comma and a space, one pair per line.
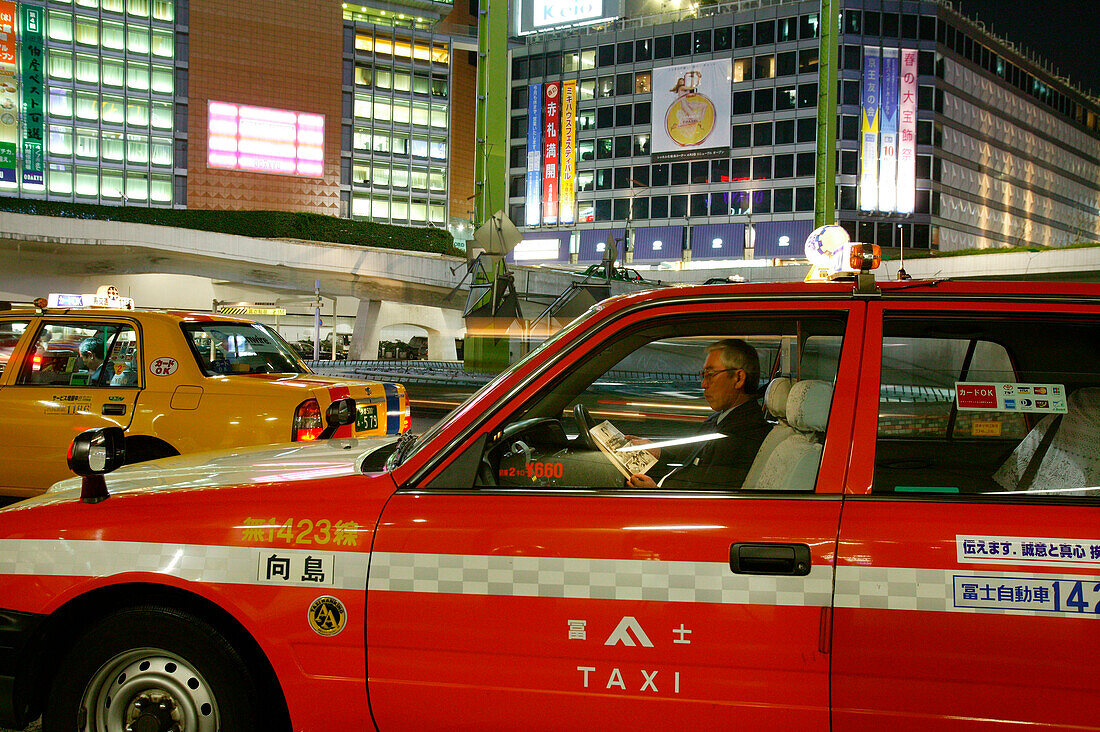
628, 257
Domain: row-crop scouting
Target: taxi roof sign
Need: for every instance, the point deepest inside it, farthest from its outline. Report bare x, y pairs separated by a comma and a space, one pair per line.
105, 297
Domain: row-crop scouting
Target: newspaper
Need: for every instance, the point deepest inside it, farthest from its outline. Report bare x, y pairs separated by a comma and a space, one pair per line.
611, 442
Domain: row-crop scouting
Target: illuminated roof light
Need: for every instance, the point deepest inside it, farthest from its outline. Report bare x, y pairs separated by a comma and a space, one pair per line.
715, 243
657, 244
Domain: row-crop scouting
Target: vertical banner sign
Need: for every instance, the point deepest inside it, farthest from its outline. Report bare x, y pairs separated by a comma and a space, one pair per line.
907, 132
568, 166
691, 111
888, 149
531, 214
9, 93
868, 174
31, 57
550, 132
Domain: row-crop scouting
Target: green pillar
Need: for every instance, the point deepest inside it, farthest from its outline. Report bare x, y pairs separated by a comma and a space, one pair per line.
486, 350
825, 176
491, 135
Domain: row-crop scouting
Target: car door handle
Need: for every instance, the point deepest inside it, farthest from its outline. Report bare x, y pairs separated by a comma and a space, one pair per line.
756, 558
117, 409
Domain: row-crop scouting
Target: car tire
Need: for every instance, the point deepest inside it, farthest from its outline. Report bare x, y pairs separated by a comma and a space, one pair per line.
157, 664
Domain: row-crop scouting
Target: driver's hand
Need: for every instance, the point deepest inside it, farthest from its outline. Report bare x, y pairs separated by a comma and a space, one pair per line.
641, 481
656, 452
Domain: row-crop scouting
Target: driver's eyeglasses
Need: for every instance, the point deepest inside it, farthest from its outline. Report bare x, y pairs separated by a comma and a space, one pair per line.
710, 373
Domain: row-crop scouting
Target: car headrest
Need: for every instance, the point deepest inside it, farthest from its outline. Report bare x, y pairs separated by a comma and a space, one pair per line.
775, 396
808, 405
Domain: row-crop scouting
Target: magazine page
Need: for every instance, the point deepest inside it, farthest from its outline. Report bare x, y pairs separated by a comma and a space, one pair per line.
611, 442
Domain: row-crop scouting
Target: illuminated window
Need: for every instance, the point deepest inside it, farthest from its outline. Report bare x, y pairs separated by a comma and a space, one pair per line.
160, 152
60, 179
114, 73
59, 27
113, 146
383, 79
364, 76
436, 181
137, 112
87, 182
162, 80
59, 65
137, 39
402, 81
401, 111
742, 69
399, 210
380, 207
137, 186
87, 3
61, 140
87, 143
137, 149
115, 6
160, 189
87, 105
439, 116
420, 114
113, 35
399, 177
163, 44
61, 102
161, 115
87, 30
137, 75
642, 82
140, 8
381, 177
164, 10
110, 184
87, 69
113, 109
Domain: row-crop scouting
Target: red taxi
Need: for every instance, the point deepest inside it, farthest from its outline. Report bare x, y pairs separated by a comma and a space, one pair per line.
915, 544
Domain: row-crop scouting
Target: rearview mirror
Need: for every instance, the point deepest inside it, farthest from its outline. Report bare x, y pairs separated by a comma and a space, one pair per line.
339, 413
94, 453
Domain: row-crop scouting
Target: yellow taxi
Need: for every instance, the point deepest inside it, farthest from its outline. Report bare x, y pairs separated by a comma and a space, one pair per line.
177, 383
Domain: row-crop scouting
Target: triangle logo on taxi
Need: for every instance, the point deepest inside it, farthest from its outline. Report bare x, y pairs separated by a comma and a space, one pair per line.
621, 634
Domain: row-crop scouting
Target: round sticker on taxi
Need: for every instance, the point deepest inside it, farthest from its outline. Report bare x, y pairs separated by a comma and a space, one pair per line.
327, 615
163, 366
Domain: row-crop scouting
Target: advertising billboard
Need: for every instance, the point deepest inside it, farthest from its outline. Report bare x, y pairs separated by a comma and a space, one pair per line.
691, 111
568, 168
9, 94
869, 116
551, 110
888, 146
532, 206
264, 140
31, 57
907, 132
535, 16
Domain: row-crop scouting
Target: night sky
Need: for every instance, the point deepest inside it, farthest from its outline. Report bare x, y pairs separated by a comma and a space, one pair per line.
1066, 32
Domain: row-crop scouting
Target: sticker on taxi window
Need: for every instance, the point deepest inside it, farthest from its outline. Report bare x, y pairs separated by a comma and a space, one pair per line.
973, 396
163, 366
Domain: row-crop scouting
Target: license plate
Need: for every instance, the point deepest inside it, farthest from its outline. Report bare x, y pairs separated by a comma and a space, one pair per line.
366, 417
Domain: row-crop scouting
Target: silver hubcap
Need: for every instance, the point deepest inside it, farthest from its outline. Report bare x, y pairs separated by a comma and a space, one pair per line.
148, 690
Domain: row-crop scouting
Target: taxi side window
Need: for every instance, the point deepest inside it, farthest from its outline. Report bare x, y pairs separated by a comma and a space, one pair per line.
683, 405
10, 333
82, 354
999, 406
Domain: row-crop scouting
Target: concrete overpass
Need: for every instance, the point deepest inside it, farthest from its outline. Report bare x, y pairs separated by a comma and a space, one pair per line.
373, 289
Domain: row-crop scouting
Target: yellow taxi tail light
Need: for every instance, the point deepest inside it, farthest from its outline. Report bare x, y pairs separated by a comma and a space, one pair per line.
863, 257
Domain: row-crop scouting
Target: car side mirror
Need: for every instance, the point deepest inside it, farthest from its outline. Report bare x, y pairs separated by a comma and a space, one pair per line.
94, 453
339, 413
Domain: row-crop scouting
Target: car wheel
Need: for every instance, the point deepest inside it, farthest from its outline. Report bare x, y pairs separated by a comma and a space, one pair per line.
155, 669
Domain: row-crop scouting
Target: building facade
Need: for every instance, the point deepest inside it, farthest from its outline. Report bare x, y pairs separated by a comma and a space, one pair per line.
947, 136
318, 106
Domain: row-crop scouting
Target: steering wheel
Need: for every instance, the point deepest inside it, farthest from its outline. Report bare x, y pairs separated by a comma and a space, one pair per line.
584, 424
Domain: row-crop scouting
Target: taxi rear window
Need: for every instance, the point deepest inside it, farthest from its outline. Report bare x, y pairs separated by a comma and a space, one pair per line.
1001, 405
241, 348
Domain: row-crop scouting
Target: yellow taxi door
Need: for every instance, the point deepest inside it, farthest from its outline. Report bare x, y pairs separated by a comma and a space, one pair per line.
70, 376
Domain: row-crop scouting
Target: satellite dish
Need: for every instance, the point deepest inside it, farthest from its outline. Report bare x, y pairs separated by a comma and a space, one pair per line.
498, 235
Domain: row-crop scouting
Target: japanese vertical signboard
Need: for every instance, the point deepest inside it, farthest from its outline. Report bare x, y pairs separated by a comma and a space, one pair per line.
888, 148
691, 111
868, 177
550, 133
568, 166
9, 93
534, 155
31, 58
907, 132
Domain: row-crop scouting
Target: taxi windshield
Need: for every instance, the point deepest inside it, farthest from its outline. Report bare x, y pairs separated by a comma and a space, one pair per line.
241, 348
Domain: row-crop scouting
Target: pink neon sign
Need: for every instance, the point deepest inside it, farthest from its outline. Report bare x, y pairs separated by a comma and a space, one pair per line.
264, 140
